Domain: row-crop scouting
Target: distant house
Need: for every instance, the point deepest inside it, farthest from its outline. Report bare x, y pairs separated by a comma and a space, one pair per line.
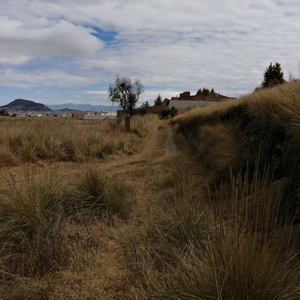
93, 115
79, 115
185, 101
34, 114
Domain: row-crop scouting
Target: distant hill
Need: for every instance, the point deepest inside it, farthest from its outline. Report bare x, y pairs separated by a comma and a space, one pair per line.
67, 111
83, 107
21, 105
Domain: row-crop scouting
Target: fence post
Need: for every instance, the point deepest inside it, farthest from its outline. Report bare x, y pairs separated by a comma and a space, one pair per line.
127, 123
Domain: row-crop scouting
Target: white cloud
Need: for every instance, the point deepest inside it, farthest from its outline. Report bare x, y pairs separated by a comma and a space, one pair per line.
39, 37
170, 44
96, 92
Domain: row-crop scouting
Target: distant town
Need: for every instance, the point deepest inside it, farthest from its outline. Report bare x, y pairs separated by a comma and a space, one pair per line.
28, 108
185, 101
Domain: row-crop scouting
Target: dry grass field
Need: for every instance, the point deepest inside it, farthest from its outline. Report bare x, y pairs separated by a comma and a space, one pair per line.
204, 209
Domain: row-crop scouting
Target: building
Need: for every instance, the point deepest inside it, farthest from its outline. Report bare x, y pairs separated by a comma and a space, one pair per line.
185, 101
93, 115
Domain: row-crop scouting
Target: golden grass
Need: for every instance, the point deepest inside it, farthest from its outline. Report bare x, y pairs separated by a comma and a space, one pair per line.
29, 140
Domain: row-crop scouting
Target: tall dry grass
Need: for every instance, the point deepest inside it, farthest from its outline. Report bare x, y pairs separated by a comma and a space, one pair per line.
37, 214
263, 127
29, 140
32, 239
237, 253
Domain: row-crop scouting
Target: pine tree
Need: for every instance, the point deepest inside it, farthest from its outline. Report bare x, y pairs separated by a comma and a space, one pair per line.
158, 100
273, 76
205, 91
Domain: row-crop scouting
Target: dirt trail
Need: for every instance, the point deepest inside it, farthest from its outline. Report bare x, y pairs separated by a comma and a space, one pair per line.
162, 140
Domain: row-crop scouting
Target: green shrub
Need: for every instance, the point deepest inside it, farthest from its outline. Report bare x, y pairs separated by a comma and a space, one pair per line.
169, 112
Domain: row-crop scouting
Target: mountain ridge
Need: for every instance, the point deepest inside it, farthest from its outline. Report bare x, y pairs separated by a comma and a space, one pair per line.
23, 105
82, 107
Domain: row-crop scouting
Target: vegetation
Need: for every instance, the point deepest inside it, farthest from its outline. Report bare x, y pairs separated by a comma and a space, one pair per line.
158, 101
255, 128
216, 218
42, 140
96, 193
172, 112
125, 93
144, 109
273, 76
4, 113
205, 91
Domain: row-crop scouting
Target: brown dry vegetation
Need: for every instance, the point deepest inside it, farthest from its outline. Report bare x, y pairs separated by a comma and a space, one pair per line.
207, 213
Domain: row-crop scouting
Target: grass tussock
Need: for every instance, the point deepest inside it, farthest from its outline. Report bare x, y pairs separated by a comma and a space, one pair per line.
32, 240
236, 267
94, 192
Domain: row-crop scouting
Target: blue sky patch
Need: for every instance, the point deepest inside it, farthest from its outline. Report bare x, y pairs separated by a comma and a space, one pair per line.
106, 36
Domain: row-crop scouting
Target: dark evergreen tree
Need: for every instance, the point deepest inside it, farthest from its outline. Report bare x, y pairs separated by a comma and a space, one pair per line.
199, 92
158, 100
273, 76
205, 91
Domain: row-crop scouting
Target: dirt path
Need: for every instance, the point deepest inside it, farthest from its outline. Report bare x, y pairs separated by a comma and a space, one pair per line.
162, 140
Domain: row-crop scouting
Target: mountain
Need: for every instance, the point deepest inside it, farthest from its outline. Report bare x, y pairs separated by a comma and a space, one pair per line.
21, 105
83, 107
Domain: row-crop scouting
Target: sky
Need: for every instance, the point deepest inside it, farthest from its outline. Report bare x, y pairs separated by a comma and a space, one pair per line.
70, 51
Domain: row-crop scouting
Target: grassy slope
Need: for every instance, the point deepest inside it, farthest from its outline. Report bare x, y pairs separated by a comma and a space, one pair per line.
258, 130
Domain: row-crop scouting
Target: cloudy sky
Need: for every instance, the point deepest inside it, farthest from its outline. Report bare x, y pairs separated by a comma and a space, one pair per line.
69, 51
